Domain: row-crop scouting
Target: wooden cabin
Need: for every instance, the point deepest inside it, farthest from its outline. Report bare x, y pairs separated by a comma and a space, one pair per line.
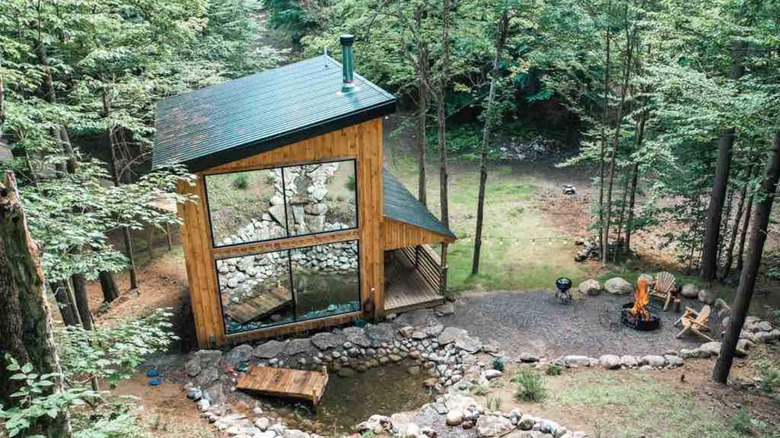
296, 225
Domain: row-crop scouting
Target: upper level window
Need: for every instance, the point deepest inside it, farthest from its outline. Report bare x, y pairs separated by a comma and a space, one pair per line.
259, 205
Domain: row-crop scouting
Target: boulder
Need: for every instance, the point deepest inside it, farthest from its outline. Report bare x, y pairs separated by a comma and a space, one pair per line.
298, 346
449, 334
690, 291
454, 418
327, 340
527, 357
493, 374
417, 318
576, 361
493, 425
357, 336
713, 348
653, 361
673, 361
468, 344
445, 309
618, 286
382, 332
609, 361
268, 350
695, 353
590, 287
241, 353
629, 361
707, 297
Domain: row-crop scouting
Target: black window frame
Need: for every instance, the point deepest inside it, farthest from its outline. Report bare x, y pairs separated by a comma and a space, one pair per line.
284, 196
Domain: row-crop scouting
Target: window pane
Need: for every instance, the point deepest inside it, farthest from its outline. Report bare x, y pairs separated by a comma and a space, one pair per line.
320, 197
255, 291
246, 206
325, 280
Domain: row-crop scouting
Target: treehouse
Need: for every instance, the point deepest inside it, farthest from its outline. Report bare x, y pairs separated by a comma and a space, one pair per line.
296, 224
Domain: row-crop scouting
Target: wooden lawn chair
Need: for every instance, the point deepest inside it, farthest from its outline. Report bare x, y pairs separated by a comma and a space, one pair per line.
695, 322
665, 286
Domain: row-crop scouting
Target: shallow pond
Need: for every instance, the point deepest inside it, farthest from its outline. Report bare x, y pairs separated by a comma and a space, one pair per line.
383, 390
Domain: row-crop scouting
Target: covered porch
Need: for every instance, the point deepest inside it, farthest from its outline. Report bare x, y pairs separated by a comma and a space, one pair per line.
415, 273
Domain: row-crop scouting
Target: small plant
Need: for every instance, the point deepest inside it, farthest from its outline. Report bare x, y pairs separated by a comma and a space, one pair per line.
240, 181
351, 184
554, 370
493, 402
743, 423
530, 386
482, 389
498, 364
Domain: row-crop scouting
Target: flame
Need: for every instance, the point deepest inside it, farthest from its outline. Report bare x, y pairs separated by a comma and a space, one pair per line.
641, 299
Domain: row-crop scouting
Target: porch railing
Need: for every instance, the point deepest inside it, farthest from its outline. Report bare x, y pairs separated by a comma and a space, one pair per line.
427, 263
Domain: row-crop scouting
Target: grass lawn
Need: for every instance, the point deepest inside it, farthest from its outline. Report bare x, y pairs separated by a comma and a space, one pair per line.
520, 249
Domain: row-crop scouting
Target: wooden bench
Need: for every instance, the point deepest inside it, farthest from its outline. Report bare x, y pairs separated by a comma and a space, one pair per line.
285, 383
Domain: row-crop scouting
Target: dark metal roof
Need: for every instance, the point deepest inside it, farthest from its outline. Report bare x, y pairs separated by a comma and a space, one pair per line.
402, 206
243, 117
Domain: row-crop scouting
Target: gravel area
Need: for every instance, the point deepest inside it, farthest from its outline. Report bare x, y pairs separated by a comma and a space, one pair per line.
534, 322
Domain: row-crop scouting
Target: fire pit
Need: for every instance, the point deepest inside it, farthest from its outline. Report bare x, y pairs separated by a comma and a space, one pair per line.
635, 314
653, 322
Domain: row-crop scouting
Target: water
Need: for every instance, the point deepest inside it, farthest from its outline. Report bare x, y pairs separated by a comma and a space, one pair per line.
383, 390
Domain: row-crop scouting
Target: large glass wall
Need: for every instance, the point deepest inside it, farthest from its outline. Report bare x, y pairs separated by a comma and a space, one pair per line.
260, 205
268, 289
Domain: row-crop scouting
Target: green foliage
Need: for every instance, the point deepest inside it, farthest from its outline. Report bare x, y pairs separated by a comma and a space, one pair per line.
554, 370
114, 352
743, 423
351, 183
493, 402
240, 181
498, 364
481, 389
36, 398
530, 386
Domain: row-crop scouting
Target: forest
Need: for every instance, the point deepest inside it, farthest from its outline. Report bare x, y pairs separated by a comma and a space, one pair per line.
668, 111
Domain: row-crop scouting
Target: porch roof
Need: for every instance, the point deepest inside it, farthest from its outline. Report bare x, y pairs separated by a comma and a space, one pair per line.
402, 206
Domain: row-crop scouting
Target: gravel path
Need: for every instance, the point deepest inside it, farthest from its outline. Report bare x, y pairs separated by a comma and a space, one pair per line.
535, 322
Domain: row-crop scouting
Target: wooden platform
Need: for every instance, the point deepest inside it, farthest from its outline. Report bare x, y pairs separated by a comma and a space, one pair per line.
284, 382
260, 306
405, 287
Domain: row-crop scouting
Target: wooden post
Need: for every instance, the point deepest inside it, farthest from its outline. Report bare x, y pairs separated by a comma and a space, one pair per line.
677, 305
444, 268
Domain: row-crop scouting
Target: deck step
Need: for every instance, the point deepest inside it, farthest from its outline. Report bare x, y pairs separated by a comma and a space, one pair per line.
285, 383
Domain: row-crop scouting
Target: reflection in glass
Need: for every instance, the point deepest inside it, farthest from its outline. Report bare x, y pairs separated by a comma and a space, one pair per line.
325, 280
255, 291
320, 197
246, 206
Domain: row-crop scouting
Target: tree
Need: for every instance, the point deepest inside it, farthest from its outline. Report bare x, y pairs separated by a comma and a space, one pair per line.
491, 116
747, 279
26, 326
441, 106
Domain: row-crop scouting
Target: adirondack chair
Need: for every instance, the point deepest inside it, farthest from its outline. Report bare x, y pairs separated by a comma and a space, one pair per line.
695, 322
665, 286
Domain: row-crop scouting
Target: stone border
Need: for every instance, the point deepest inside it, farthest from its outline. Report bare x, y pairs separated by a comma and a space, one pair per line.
447, 354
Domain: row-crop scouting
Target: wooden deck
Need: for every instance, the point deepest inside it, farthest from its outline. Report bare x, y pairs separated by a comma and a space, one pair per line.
284, 382
405, 287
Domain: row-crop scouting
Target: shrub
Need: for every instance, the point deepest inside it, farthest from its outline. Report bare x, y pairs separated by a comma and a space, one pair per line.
498, 364
482, 389
351, 184
493, 402
530, 386
240, 181
554, 370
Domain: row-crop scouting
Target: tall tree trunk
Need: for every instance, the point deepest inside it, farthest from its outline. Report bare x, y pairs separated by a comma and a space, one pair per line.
724, 224
82, 299
603, 146
743, 234
114, 165
735, 227
621, 218
422, 118
442, 115
68, 311
747, 278
634, 182
108, 286
503, 24
709, 260
616, 139
26, 324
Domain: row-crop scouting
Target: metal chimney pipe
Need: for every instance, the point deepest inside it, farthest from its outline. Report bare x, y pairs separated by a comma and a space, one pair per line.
347, 63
